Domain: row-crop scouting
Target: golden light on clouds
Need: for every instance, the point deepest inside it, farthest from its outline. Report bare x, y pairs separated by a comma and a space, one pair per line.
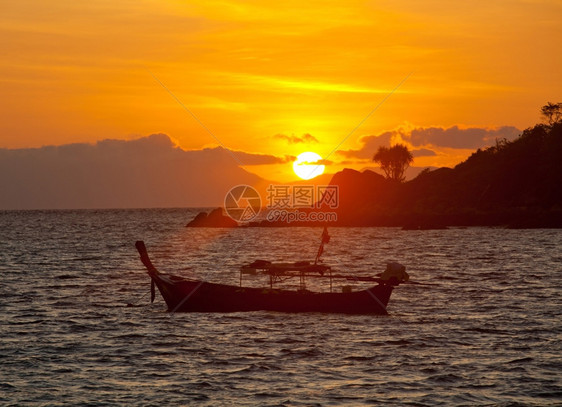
77, 71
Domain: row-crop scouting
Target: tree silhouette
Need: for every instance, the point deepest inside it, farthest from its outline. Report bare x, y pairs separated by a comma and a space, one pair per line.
394, 161
552, 112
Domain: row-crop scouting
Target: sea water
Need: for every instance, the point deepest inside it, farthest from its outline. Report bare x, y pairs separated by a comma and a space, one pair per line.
483, 328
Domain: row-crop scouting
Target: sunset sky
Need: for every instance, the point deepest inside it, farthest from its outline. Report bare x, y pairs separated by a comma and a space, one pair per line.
279, 78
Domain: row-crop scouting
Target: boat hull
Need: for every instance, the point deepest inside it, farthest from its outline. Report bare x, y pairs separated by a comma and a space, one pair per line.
183, 295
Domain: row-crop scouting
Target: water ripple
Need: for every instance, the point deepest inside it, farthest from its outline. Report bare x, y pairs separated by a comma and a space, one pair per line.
486, 332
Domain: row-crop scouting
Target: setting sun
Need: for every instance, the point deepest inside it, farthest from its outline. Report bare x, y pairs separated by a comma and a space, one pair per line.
307, 165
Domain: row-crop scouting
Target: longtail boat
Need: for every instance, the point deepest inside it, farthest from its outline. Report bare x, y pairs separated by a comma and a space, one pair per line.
187, 295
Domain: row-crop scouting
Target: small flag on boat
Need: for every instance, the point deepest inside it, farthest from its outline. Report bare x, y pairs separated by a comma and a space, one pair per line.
325, 236
325, 239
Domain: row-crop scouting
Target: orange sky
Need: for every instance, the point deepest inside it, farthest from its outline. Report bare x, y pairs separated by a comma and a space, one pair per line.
252, 71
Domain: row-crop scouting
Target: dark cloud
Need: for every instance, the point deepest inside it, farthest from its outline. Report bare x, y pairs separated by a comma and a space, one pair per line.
370, 146
454, 137
147, 172
259, 159
423, 152
305, 139
351, 162
318, 162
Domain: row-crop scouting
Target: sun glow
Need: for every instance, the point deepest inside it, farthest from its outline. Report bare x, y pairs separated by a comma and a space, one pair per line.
308, 165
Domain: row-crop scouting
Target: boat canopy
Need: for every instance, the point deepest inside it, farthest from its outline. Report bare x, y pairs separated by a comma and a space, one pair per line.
267, 267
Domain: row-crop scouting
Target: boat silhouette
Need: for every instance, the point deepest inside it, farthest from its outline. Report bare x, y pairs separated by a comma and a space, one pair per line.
189, 295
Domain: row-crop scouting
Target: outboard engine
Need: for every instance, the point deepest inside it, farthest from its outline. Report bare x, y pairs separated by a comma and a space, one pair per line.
394, 274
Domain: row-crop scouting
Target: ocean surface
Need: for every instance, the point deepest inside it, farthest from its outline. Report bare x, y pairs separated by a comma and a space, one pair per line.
484, 329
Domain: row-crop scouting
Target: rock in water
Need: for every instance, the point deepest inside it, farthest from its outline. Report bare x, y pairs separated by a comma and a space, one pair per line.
214, 219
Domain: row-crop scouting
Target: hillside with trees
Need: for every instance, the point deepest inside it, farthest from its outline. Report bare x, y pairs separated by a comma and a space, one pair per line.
514, 183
